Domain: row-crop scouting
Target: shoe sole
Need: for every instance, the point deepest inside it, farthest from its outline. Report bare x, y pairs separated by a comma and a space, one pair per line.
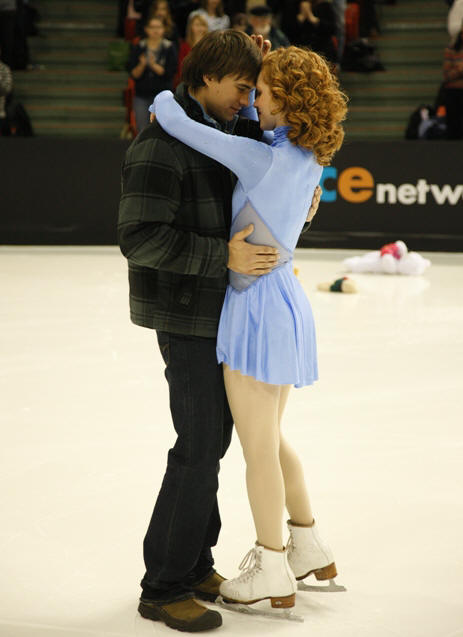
211, 619
327, 572
206, 597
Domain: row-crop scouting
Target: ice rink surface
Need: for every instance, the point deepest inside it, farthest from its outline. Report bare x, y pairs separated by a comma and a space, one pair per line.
85, 429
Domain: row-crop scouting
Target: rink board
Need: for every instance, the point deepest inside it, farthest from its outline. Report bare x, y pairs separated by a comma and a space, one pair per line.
66, 192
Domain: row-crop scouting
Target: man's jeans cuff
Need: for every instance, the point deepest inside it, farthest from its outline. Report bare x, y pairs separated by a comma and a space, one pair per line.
201, 579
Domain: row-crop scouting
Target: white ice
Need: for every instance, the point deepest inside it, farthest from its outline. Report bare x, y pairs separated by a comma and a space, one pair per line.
85, 428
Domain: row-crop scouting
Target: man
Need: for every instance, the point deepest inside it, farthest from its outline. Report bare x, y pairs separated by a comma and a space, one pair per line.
260, 21
174, 223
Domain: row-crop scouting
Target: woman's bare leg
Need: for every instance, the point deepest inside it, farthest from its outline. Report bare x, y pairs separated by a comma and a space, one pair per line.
254, 406
297, 498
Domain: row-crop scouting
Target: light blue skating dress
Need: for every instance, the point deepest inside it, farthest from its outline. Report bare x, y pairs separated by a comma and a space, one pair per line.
266, 328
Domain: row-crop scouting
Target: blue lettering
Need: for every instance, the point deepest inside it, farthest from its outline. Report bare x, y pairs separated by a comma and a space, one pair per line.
329, 172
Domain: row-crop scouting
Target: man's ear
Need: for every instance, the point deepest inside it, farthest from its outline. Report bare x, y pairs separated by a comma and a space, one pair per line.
208, 79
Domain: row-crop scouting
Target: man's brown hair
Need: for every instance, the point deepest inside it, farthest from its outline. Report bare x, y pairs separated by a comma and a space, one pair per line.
221, 53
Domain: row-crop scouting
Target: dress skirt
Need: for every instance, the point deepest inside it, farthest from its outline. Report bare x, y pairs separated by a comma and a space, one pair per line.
267, 330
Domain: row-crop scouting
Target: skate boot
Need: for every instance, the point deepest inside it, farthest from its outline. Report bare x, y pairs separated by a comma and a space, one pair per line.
307, 553
266, 575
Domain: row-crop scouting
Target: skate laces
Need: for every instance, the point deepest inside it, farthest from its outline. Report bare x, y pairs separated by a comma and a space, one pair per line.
290, 546
250, 563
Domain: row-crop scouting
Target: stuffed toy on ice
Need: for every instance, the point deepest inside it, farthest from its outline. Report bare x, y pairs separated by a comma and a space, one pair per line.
345, 285
393, 258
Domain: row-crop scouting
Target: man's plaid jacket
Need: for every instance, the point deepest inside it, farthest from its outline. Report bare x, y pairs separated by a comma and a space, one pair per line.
174, 225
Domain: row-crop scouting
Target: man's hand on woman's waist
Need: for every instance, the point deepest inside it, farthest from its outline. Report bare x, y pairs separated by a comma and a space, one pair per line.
247, 258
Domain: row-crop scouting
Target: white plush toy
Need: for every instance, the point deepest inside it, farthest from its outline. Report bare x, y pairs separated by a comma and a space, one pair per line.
393, 258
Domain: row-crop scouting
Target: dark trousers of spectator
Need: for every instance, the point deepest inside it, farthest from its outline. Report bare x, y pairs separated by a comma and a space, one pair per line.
7, 30
185, 523
368, 18
454, 112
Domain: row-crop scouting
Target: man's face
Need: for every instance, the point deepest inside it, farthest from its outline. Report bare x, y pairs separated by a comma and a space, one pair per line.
261, 25
224, 99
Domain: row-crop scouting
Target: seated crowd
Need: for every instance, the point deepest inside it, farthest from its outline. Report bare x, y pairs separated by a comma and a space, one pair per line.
164, 31
162, 34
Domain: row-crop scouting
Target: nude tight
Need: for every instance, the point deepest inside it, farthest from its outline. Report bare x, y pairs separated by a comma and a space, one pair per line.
274, 474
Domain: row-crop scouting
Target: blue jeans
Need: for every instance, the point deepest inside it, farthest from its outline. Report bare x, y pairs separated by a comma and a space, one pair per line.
186, 523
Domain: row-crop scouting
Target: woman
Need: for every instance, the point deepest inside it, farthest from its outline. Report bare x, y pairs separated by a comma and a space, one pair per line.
213, 11
161, 9
196, 29
266, 337
152, 64
453, 88
314, 25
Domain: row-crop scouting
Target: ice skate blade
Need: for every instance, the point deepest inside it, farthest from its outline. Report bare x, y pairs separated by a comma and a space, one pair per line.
274, 613
332, 587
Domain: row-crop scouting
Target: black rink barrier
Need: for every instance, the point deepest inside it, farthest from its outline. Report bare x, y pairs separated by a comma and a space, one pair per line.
66, 192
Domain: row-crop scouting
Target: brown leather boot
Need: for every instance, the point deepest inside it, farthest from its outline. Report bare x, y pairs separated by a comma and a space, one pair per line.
208, 589
186, 615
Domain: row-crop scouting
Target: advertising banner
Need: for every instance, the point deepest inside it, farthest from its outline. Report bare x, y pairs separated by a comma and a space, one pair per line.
65, 191
381, 192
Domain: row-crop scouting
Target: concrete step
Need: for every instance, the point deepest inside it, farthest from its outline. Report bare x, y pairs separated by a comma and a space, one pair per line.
84, 129
413, 57
35, 80
55, 113
390, 76
62, 43
72, 96
413, 25
51, 64
410, 10
380, 113
394, 95
418, 40
73, 27
87, 3
378, 132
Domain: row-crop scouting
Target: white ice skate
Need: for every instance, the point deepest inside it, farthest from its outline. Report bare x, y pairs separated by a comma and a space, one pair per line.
266, 575
307, 555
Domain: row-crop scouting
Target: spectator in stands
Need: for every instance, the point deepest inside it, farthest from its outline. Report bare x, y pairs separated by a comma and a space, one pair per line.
6, 86
161, 9
7, 28
454, 20
314, 25
453, 87
369, 24
181, 10
152, 64
261, 23
239, 22
339, 8
214, 13
196, 29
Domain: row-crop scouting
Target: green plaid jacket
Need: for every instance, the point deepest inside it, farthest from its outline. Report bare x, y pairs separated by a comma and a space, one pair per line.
174, 225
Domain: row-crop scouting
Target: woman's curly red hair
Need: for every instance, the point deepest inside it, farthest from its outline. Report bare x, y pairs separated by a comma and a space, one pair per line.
307, 93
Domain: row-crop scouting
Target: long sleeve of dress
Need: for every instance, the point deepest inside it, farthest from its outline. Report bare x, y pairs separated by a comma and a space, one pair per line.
247, 158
